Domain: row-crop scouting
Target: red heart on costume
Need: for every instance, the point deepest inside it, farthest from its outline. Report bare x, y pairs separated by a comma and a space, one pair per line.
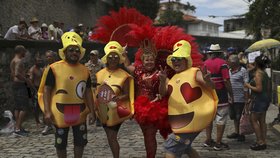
179, 44
190, 94
123, 111
113, 47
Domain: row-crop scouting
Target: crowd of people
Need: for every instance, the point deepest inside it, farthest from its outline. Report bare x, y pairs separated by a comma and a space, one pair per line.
105, 90
41, 31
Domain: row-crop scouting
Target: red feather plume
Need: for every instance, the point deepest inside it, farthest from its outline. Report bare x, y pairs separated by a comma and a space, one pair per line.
116, 26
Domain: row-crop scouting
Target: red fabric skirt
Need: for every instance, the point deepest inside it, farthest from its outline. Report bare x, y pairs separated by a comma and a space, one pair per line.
155, 113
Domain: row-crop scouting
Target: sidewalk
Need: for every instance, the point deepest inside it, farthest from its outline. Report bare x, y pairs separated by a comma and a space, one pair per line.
131, 143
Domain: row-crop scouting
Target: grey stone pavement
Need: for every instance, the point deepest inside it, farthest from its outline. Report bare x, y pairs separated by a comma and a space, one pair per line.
131, 143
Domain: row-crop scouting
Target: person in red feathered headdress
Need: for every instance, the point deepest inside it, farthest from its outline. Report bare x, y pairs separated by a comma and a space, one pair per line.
150, 107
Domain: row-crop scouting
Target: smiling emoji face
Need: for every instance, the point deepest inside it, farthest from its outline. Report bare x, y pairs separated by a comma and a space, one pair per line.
68, 94
190, 107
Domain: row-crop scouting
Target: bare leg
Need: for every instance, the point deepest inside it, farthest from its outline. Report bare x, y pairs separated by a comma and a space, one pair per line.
113, 141
263, 127
220, 133
256, 126
209, 131
236, 126
61, 153
149, 133
78, 151
169, 155
19, 118
192, 153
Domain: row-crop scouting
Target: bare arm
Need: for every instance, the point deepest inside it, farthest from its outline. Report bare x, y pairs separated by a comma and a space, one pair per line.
258, 80
89, 102
127, 63
163, 84
203, 78
47, 104
229, 88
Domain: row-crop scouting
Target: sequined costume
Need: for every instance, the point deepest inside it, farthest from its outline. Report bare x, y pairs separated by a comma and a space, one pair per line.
147, 112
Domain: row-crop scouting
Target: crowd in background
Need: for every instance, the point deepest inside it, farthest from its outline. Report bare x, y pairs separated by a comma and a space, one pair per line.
41, 31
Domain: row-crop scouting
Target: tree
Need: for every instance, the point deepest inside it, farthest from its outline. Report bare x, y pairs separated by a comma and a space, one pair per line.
146, 7
264, 14
173, 16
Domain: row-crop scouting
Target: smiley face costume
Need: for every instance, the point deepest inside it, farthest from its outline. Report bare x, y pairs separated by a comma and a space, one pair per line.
109, 85
191, 107
67, 97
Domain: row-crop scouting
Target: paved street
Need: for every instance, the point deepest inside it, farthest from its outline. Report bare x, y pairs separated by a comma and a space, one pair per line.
131, 142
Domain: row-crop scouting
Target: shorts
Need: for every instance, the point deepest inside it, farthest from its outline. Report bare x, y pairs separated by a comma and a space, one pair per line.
79, 135
235, 111
179, 144
114, 128
260, 104
222, 95
222, 115
21, 96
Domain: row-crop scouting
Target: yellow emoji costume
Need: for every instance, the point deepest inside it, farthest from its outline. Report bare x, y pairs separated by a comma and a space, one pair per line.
67, 96
109, 84
191, 107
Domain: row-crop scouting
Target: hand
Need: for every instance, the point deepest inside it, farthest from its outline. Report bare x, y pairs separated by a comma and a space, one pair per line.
162, 74
48, 118
247, 85
205, 74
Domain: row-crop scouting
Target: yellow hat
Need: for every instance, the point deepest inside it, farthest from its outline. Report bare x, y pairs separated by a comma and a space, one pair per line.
71, 39
181, 49
113, 46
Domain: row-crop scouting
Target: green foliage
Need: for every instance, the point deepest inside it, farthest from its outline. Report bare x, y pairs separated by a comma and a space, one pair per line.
146, 7
264, 14
174, 17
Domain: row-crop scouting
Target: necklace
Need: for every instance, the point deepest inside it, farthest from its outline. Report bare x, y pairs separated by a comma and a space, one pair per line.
111, 72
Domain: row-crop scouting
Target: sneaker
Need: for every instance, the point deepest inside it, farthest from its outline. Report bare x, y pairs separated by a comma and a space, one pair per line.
25, 131
241, 138
20, 133
47, 130
233, 136
209, 143
221, 146
258, 147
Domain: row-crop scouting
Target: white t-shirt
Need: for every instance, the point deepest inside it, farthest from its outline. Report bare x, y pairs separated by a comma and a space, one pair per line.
52, 32
37, 35
13, 32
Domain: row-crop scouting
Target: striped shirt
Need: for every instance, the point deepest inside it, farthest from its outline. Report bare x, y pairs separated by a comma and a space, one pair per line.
237, 79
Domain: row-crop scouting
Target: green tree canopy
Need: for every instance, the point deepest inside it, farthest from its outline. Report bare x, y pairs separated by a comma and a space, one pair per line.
264, 14
175, 17
146, 7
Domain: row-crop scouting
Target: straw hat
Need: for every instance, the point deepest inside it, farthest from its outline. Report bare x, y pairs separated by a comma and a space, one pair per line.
70, 39
181, 49
113, 46
34, 19
214, 48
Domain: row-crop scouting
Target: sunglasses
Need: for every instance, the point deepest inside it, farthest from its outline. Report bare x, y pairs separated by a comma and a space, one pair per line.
176, 59
113, 56
73, 50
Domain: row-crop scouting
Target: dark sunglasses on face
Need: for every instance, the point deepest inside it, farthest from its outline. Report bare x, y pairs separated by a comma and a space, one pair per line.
113, 56
73, 50
175, 59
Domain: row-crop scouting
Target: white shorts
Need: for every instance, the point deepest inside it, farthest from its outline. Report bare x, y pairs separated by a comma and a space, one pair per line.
222, 115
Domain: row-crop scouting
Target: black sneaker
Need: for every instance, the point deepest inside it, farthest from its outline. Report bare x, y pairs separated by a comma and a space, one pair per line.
258, 147
20, 133
221, 146
233, 136
25, 131
209, 143
241, 138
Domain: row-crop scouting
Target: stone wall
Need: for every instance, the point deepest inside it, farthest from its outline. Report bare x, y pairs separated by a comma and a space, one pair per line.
71, 12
